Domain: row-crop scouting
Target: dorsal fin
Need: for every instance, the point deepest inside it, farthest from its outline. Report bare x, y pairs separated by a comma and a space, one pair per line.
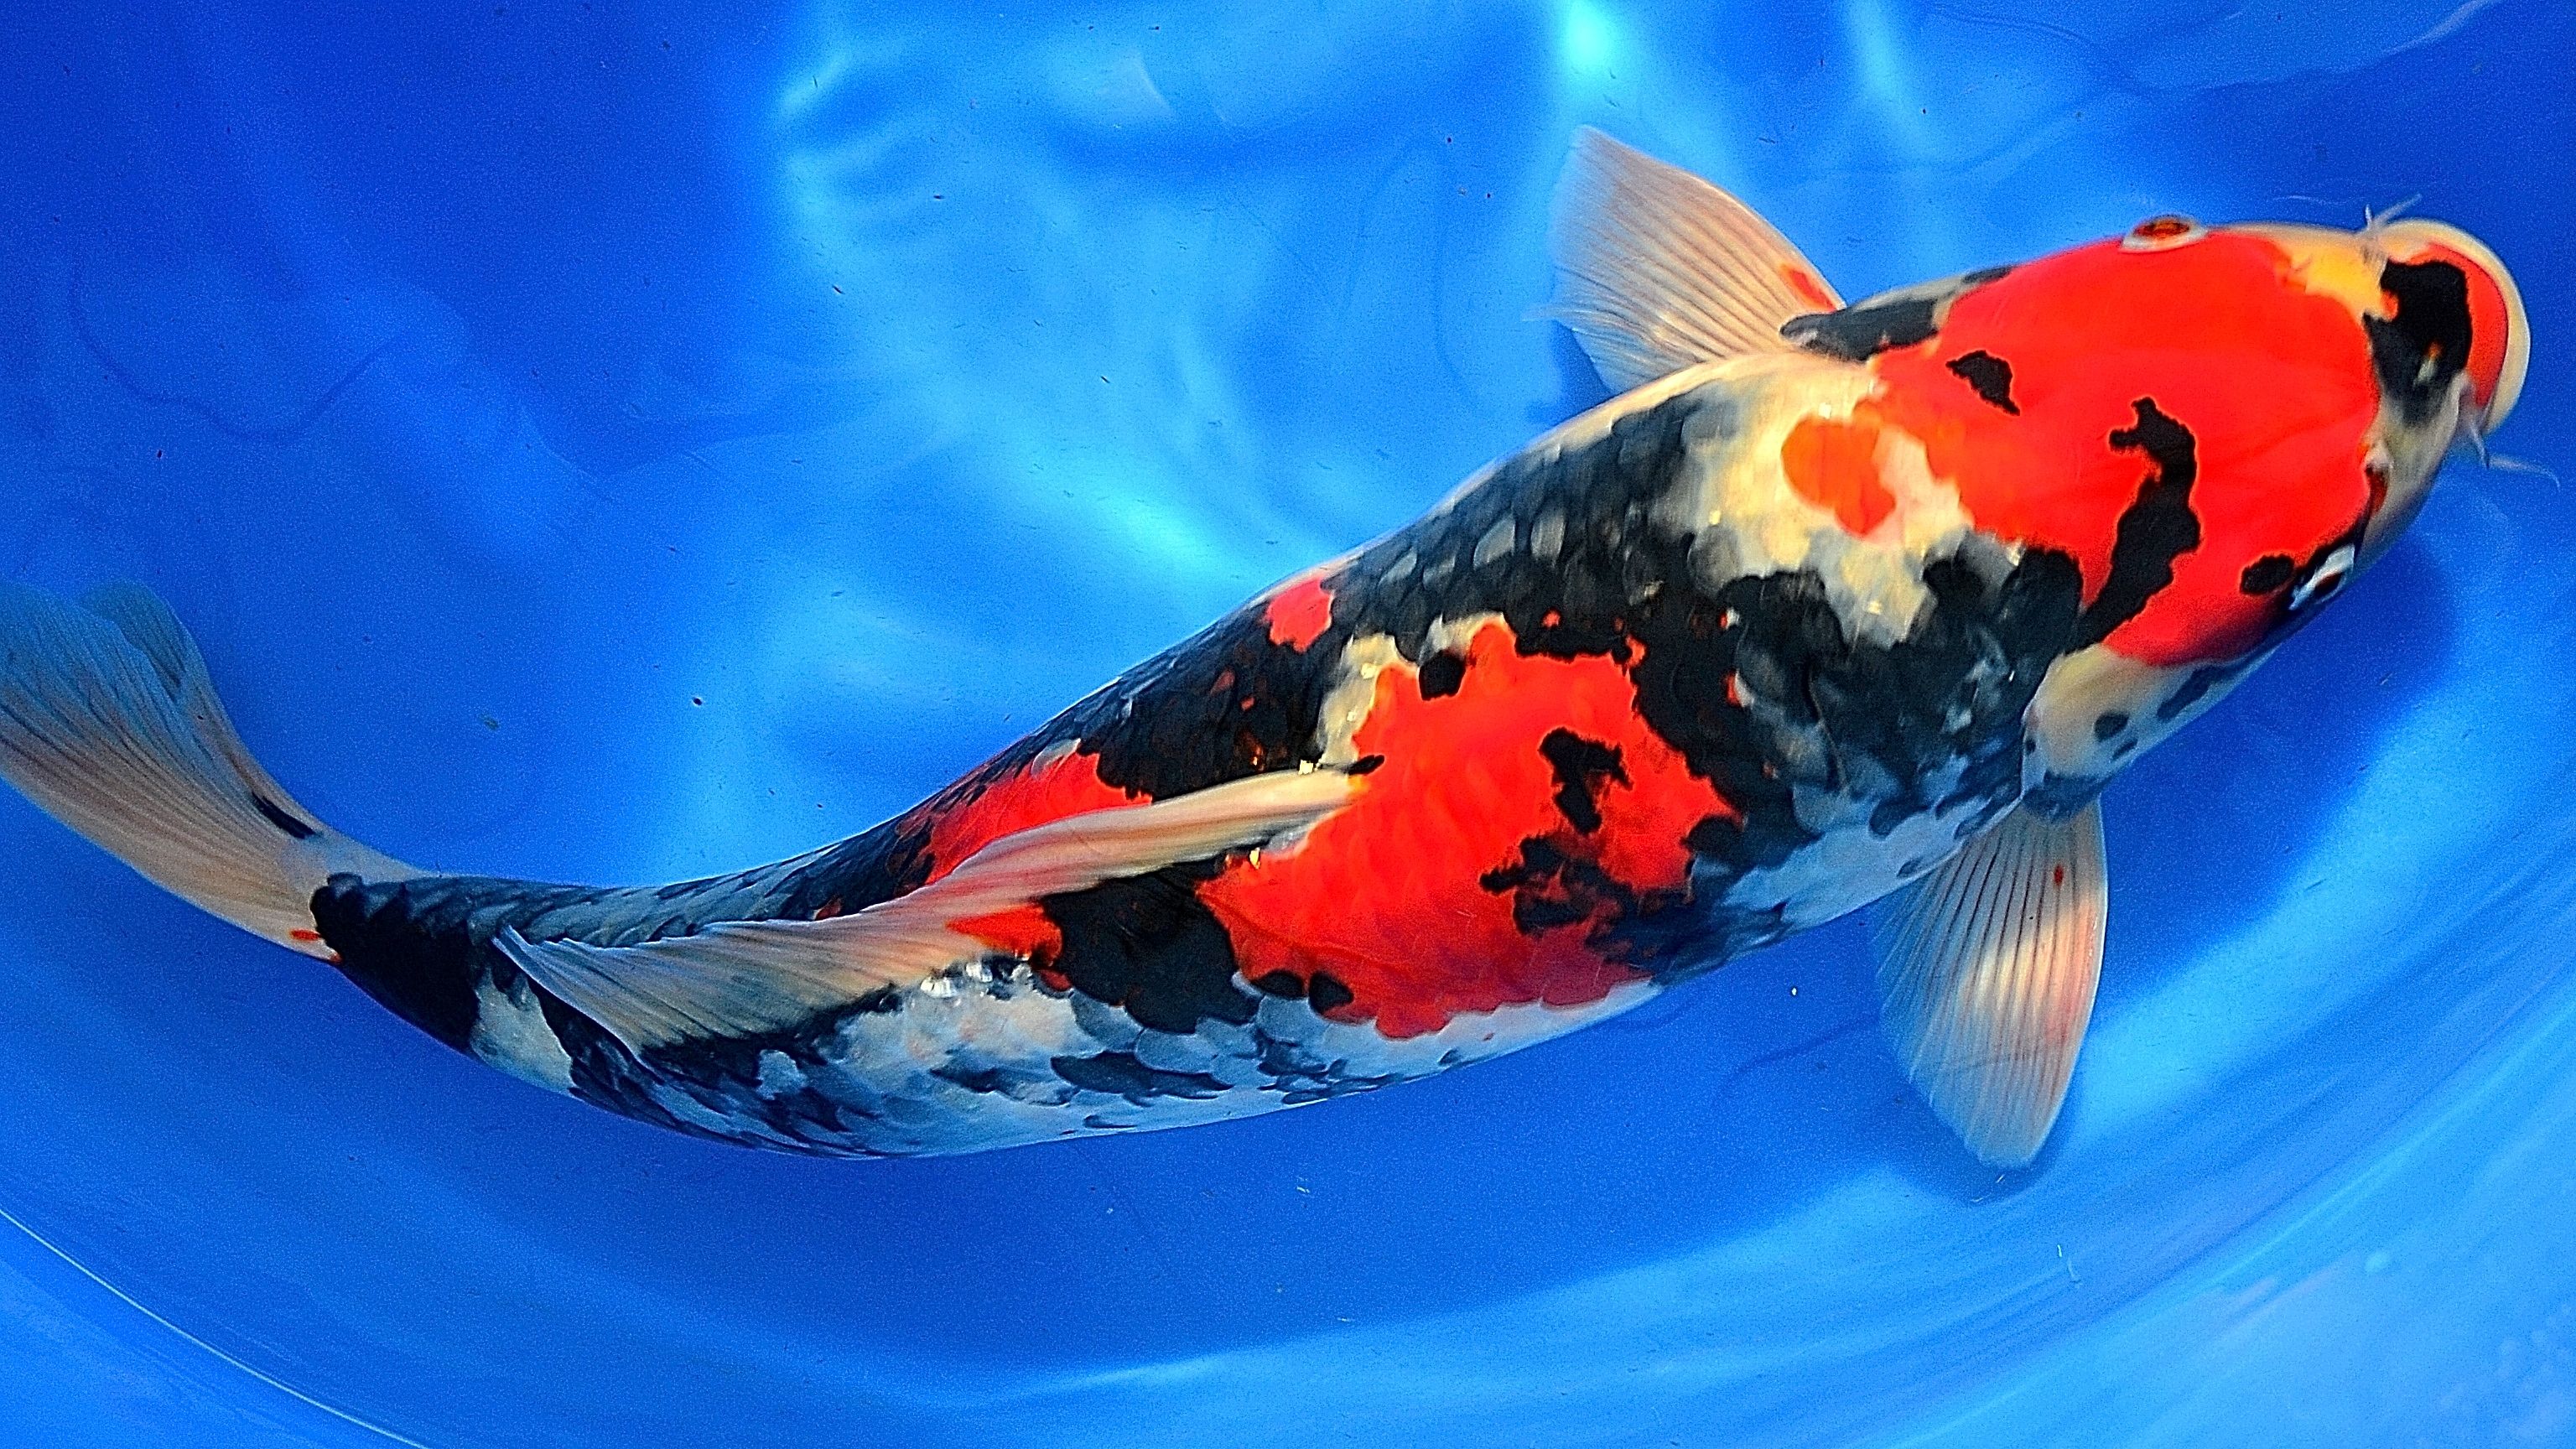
743, 977
1986, 974
1657, 269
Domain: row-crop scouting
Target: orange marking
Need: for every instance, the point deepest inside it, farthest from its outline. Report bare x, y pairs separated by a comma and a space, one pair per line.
1299, 612
1834, 465
301, 934
828, 909
1810, 288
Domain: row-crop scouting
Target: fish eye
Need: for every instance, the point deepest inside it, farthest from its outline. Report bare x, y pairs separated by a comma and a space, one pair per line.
2163, 233
2324, 579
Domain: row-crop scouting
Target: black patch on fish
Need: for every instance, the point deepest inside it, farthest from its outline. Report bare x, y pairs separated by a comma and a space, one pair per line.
1873, 325
2267, 574
2058, 797
2156, 529
2197, 685
875, 865
2420, 351
1580, 766
1326, 993
1990, 375
1121, 1074
2109, 724
1228, 704
1442, 674
1147, 945
269, 809
1279, 983
413, 946
1552, 888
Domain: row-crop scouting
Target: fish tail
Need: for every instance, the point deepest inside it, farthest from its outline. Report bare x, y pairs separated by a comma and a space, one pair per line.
109, 723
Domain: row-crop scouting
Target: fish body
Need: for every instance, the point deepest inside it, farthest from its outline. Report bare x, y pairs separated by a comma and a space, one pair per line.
1830, 604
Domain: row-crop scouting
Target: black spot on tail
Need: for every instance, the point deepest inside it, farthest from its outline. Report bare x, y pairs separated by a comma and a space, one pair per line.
2155, 530
295, 829
1990, 375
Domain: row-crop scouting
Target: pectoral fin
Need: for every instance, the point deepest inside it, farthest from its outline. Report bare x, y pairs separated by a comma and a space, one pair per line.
1986, 974
1657, 269
744, 977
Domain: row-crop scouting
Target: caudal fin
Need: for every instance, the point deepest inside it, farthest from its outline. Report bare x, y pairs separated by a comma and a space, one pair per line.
109, 722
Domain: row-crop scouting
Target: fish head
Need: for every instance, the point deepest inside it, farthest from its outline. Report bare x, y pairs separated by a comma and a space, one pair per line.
2291, 393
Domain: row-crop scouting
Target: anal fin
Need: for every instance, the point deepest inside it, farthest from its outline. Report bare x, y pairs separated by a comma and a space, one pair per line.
743, 977
1986, 975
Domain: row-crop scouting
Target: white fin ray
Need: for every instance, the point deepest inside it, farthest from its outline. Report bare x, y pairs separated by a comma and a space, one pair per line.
1986, 975
109, 723
744, 977
1657, 269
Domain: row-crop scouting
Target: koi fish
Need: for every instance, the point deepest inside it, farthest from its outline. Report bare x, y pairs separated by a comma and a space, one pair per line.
1833, 604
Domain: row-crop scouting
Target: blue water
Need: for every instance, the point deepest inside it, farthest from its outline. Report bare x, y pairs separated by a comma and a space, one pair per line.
612, 442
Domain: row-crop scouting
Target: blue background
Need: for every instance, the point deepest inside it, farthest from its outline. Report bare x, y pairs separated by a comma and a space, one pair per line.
603, 441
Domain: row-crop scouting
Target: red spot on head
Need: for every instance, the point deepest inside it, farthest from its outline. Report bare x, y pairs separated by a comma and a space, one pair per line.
1833, 464
1807, 286
301, 934
1299, 612
2057, 875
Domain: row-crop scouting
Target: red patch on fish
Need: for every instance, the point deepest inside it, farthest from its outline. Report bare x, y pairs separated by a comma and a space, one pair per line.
2273, 382
1833, 464
1390, 896
1030, 796
1022, 931
1299, 613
